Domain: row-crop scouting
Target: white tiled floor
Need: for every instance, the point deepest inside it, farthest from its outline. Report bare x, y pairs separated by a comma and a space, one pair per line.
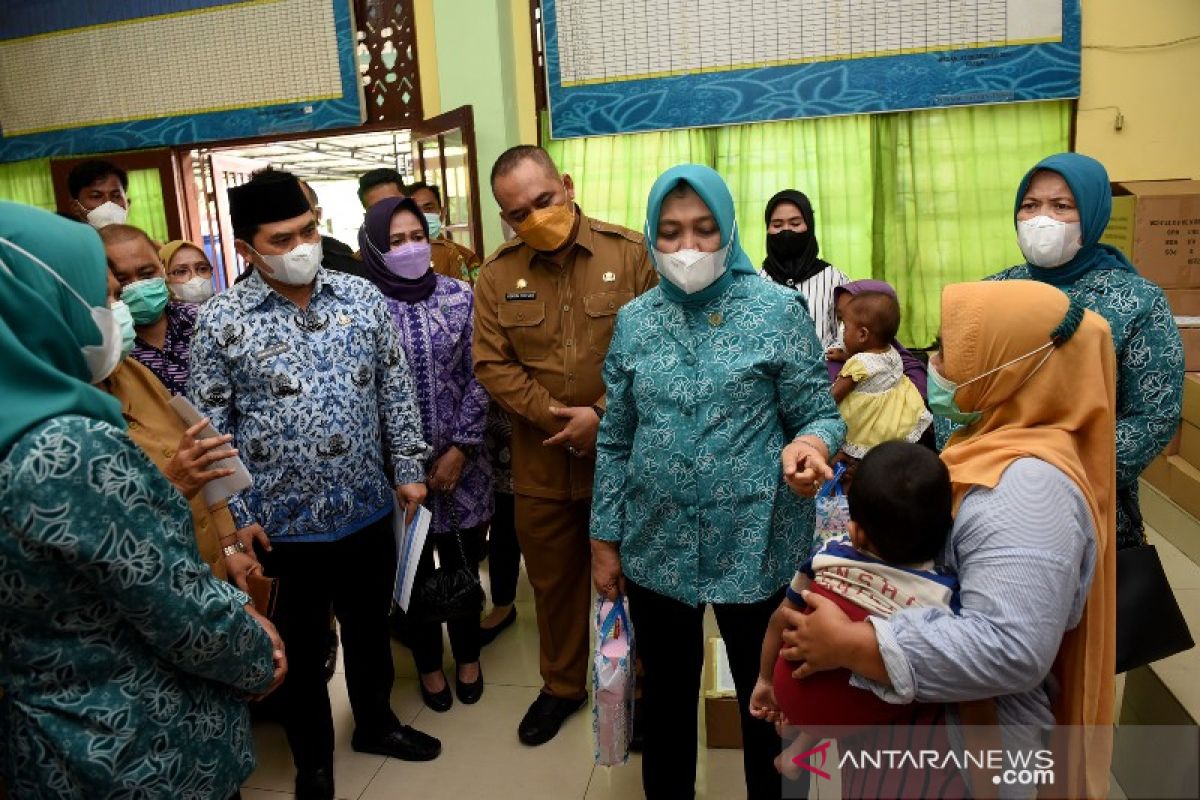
481, 756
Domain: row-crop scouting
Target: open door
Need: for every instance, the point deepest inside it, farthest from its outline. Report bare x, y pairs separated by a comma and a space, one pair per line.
444, 155
221, 172
156, 181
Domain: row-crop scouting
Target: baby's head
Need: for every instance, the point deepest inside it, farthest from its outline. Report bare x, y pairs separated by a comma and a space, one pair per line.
900, 504
872, 320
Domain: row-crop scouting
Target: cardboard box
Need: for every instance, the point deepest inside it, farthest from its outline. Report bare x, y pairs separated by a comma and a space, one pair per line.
722, 721
1191, 398
1189, 444
1189, 334
1184, 485
1158, 474
1184, 302
1157, 225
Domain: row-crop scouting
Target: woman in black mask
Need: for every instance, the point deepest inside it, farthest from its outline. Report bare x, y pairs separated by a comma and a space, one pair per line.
792, 259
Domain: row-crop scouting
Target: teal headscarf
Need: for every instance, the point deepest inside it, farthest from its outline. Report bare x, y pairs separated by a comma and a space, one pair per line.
43, 326
715, 194
1088, 181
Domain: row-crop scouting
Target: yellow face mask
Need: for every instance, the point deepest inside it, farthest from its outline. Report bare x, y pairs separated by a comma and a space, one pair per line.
549, 228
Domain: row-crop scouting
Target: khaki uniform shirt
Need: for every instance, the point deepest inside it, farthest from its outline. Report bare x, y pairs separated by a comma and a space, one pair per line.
453, 260
156, 429
541, 334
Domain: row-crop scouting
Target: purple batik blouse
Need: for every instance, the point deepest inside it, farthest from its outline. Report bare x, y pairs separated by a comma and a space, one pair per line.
170, 364
436, 336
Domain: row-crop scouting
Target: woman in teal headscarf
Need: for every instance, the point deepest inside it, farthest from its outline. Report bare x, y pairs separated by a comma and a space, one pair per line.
125, 661
1063, 206
710, 375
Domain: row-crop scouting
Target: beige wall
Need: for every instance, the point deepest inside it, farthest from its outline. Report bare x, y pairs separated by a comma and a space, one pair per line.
1157, 90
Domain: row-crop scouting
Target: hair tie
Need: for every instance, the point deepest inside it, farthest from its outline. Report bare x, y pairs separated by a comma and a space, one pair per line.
1066, 329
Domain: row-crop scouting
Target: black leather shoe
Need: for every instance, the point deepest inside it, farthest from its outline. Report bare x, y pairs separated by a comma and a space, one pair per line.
488, 635
440, 701
545, 717
469, 693
404, 743
315, 784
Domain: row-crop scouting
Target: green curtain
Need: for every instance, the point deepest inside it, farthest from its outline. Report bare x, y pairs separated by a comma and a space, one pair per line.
919, 199
28, 182
146, 210
944, 185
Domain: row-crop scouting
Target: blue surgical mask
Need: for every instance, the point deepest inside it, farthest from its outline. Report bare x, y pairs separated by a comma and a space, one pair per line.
435, 225
941, 400
125, 320
941, 390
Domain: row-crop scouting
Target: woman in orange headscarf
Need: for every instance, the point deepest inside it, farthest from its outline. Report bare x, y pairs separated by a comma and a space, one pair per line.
1031, 375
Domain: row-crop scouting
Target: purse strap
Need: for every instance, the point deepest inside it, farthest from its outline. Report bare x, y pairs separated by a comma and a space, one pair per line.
447, 501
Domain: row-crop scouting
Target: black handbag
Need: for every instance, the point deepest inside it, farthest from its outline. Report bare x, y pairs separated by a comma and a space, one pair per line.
1150, 625
448, 594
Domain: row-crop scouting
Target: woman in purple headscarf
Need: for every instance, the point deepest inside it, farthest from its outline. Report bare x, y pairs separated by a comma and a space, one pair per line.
836, 356
434, 315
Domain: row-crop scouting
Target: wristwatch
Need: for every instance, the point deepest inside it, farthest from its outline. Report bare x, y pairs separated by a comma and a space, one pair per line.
231, 549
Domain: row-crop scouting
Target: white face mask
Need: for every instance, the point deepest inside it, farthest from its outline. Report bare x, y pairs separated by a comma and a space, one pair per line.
194, 290
105, 214
1047, 242
296, 267
101, 358
691, 270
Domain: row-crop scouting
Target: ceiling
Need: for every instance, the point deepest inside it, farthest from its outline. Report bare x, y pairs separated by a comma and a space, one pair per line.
333, 157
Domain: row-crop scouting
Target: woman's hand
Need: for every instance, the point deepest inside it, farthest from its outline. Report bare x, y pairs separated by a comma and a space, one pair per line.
447, 470
241, 566
805, 465
836, 354
411, 496
278, 656
606, 570
823, 640
189, 469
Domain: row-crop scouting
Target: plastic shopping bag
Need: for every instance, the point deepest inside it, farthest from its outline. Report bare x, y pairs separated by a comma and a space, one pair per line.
833, 510
612, 683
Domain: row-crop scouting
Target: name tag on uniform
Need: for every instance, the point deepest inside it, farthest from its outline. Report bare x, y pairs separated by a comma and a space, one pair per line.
271, 352
521, 296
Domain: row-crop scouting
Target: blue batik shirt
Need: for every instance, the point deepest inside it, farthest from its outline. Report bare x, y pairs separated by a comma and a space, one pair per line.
318, 401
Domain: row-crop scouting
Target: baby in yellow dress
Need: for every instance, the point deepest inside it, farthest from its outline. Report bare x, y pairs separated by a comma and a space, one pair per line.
877, 400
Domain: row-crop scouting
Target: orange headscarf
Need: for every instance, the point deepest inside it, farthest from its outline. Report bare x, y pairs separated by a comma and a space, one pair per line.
1064, 415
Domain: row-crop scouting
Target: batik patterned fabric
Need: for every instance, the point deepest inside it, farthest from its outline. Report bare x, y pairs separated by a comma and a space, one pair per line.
436, 336
701, 401
1149, 374
171, 364
309, 397
124, 658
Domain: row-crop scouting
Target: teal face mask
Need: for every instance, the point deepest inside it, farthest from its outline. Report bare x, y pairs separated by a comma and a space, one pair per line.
941, 391
435, 225
146, 299
941, 400
125, 320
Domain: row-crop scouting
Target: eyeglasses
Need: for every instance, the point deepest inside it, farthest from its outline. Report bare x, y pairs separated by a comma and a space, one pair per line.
185, 271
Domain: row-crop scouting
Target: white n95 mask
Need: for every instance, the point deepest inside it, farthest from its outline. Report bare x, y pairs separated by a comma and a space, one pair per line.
691, 270
298, 266
105, 214
1047, 242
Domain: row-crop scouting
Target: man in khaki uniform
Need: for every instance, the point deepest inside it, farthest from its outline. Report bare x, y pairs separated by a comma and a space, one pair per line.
544, 313
449, 257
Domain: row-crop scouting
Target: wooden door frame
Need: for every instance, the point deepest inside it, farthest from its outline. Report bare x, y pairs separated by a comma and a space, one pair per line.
162, 159
461, 118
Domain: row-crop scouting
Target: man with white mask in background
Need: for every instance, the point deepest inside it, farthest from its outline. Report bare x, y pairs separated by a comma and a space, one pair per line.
303, 366
97, 190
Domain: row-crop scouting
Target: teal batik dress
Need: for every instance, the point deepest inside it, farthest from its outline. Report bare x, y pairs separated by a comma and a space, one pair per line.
124, 661
701, 401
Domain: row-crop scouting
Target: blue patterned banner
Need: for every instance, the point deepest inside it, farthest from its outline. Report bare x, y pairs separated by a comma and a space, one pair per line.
308, 71
622, 66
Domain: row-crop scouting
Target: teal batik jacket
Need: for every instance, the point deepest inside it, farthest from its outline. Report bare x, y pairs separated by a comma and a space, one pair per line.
124, 661
701, 401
